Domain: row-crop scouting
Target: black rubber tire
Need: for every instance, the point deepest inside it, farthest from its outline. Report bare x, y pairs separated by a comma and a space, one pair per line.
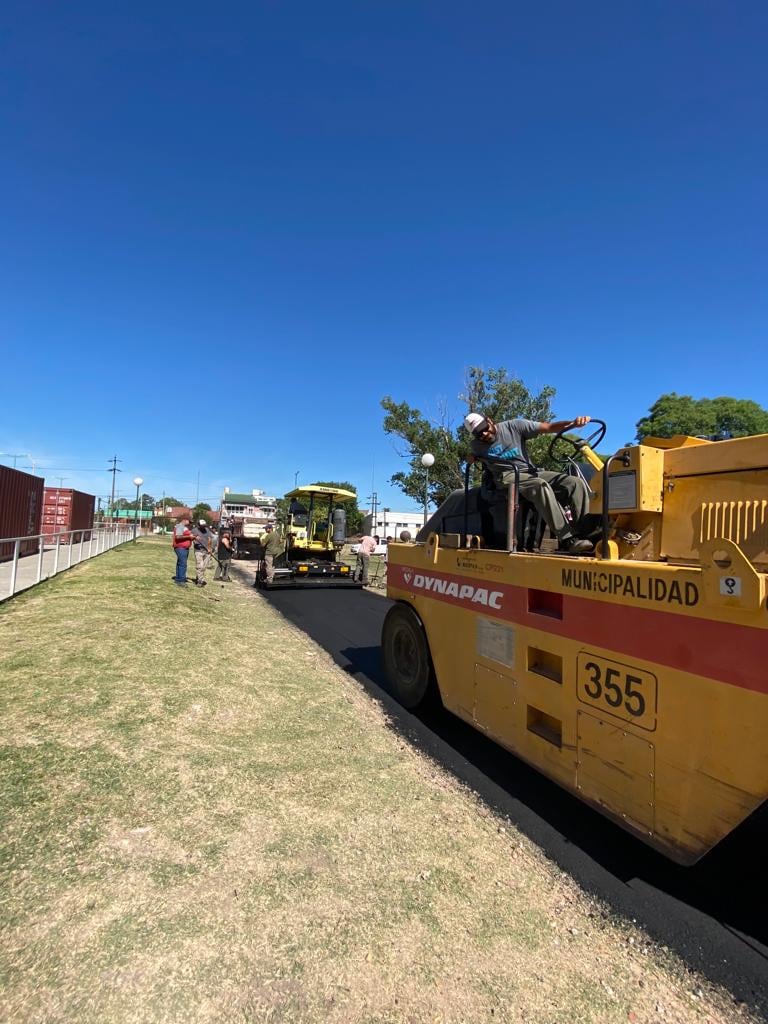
407, 662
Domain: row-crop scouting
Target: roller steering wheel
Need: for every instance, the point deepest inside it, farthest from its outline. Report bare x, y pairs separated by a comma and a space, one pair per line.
592, 441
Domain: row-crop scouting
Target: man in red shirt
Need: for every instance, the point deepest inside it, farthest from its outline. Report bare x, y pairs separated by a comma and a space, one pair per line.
182, 542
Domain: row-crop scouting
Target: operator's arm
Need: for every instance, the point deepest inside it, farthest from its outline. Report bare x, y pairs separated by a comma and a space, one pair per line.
560, 425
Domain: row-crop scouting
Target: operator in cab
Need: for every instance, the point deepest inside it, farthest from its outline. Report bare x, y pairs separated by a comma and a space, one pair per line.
502, 445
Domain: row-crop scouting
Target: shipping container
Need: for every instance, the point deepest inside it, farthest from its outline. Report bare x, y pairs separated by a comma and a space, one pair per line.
21, 505
67, 509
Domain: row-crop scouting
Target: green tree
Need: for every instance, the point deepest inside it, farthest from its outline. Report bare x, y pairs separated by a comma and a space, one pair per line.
702, 417
492, 392
201, 511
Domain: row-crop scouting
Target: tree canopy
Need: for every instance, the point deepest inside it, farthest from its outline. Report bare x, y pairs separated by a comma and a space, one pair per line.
201, 511
493, 393
702, 417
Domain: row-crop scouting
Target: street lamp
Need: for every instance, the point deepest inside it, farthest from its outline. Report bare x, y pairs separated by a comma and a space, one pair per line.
296, 477
427, 460
138, 481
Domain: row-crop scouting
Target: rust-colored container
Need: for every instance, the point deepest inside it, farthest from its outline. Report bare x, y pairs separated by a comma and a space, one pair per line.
21, 505
66, 509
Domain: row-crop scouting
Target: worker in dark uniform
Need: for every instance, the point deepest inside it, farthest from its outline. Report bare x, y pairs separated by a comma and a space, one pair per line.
224, 557
273, 545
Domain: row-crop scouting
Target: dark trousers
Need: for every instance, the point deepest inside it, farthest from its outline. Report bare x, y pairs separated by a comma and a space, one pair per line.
222, 569
363, 564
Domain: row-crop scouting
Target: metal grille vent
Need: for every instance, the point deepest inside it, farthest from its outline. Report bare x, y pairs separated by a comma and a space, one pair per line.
738, 521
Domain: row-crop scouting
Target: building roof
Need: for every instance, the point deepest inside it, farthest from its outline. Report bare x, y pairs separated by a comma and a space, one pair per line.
246, 499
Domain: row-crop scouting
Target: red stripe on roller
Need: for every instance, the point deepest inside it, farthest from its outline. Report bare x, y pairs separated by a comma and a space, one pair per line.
723, 651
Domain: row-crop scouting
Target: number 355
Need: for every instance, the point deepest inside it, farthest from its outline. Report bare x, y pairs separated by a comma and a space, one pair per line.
623, 691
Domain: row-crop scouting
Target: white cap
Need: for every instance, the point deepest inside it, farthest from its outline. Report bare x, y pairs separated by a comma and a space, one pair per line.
472, 421
202, 522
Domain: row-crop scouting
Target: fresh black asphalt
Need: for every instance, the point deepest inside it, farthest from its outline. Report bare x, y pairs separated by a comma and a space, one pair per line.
712, 915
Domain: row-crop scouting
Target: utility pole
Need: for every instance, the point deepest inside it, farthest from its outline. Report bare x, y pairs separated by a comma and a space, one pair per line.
197, 489
15, 455
374, 500
114, 460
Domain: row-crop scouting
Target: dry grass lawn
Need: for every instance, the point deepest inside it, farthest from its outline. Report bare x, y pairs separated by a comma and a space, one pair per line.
204, 819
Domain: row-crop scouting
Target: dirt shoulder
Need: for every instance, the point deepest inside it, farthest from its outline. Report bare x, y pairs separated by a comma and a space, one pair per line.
204, 819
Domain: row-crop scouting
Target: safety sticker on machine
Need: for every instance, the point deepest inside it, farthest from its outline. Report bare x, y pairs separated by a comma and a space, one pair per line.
495, 640
730, 586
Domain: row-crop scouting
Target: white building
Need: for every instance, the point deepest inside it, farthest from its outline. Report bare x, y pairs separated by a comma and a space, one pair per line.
391, 523
249, 515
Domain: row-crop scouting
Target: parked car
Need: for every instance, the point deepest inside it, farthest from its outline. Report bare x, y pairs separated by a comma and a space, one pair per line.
380, 549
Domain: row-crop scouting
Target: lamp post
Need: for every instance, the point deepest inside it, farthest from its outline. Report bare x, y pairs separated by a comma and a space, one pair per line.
138, 481
427, 460
384, 526
296, 477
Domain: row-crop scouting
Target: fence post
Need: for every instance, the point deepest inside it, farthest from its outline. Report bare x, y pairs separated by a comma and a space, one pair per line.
40, 555
69, 551
56, 557
15, 566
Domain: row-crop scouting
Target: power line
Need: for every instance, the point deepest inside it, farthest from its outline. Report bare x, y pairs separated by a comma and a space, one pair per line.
71, 469
15, 455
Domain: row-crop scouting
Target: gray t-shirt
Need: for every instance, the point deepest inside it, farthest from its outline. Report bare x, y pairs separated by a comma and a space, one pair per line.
508, 446
202, 537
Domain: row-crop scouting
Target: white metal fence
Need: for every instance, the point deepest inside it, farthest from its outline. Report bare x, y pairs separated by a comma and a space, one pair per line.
57, 552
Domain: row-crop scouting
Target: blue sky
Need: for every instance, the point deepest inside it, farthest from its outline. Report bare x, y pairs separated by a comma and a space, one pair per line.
227, 231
